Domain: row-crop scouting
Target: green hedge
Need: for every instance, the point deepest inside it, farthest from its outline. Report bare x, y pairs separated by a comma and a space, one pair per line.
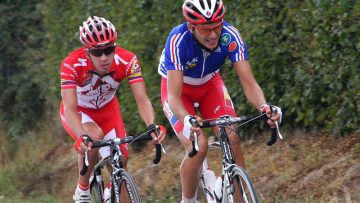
304, 54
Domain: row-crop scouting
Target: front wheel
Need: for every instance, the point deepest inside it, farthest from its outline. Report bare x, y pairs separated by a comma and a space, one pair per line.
240, 179
128, 191
96, 192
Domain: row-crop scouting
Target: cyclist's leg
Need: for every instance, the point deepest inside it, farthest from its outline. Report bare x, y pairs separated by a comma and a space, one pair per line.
219, 103
190, 167
95, 132
112, 124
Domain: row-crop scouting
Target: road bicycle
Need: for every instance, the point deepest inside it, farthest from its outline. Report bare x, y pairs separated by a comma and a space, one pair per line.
121, 180
222, 190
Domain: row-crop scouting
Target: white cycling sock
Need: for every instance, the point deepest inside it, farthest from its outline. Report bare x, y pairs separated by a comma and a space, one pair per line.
80, 190
187, 200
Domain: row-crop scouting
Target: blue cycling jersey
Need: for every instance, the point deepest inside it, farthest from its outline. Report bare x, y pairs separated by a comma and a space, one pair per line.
182, 52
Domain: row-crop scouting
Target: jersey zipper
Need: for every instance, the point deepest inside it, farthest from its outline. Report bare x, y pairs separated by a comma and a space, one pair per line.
205, 55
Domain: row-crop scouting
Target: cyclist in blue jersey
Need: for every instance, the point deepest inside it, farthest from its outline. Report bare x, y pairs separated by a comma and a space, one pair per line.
190, 63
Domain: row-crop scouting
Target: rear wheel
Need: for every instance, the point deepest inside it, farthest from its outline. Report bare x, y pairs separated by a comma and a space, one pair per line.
128, 190
241, 179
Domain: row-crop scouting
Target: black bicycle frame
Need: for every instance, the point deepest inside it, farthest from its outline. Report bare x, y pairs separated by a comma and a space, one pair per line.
225, 146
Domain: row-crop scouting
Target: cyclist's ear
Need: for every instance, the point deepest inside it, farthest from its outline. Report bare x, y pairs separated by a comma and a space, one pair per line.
190, 27
87, 53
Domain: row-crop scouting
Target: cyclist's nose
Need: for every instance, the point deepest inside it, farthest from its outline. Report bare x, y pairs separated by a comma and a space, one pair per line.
213, 34
103, 57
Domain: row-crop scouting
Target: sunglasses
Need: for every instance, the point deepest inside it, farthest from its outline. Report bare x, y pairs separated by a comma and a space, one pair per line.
100, 51
207, 30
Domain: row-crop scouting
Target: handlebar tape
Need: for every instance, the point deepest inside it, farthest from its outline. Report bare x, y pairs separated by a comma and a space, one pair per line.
194, 151
84, 168
158, 154
273, 137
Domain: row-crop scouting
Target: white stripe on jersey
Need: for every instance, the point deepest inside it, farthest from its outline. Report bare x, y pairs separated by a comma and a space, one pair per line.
173, 49
177, 45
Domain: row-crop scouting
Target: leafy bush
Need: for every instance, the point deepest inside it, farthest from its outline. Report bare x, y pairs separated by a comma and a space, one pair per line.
304, 55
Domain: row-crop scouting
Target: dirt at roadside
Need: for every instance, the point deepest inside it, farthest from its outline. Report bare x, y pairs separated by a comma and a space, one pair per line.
301, 168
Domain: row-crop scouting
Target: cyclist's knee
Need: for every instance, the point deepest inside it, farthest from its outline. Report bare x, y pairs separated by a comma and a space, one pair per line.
94, 130
187, 143
124, 161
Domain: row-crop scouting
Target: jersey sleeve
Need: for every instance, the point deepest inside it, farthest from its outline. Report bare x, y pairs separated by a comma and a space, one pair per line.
133, 71
68, 75
173, 53
237, 47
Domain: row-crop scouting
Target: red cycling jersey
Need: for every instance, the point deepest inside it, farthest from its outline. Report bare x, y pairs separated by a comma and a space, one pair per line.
96, 94
94, 91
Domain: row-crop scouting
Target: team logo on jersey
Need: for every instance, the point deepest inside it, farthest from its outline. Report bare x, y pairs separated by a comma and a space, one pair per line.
191, 64
135, 67
225, 39
232, 46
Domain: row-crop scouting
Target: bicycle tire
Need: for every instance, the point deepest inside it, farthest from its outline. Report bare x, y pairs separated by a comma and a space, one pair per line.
239, 175
96, 192
131, 189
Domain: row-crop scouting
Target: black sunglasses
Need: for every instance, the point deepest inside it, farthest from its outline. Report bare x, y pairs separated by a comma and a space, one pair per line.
100, 51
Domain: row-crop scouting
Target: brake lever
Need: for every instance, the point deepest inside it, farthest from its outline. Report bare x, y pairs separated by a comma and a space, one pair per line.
278, 130
196, 141
156, 131
163, 148
86, 159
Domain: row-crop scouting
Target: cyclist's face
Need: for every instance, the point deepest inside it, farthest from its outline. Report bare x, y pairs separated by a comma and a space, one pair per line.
207, 34
102, 58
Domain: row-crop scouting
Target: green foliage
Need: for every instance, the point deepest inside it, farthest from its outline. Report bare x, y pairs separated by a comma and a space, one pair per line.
22, 98
304, 55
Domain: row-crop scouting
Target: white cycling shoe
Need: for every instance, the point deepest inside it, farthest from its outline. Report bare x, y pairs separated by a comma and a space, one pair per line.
82, 197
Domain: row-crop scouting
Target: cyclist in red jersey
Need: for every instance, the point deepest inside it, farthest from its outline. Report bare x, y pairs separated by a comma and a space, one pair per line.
90, 77
189, 66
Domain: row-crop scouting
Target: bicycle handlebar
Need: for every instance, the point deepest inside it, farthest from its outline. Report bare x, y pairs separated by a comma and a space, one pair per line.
225, 121
129, 139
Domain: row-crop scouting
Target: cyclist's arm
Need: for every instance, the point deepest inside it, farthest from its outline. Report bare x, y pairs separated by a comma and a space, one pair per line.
174, 85
69, 99
252, 90
144, 105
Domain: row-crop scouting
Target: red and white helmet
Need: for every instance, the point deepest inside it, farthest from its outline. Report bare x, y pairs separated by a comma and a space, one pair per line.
203, 11
97, 32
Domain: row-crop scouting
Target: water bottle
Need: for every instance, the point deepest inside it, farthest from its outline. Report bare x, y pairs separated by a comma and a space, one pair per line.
209, 181
218, 189
107, 193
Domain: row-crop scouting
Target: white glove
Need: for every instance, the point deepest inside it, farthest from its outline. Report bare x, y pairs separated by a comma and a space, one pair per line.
187, 126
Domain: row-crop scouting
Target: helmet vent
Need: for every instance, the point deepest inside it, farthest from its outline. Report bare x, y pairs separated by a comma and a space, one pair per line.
97, 31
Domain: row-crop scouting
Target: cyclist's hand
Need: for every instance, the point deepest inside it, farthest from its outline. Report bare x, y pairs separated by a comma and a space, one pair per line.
273, 112
189, 129
83, 143
158, 136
